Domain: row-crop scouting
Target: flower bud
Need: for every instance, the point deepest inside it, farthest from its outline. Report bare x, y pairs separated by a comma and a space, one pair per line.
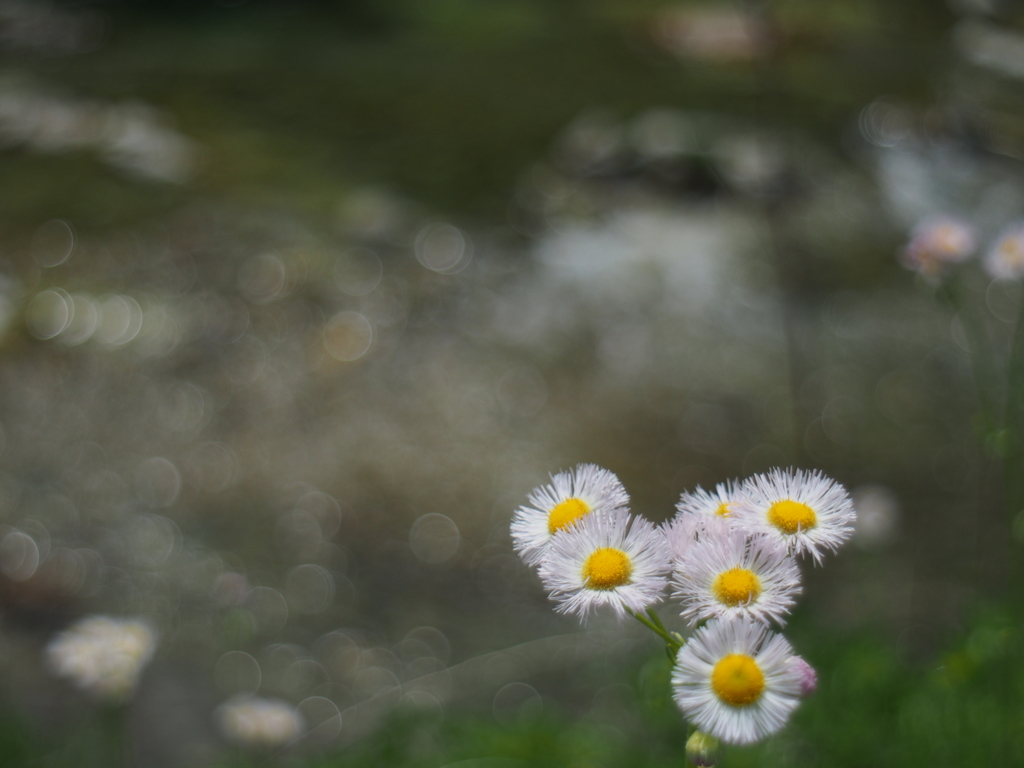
808, 677
702, 750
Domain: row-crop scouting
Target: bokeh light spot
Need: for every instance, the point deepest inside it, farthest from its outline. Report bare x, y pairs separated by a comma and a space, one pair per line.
434, 538
237, 672
443, 248
348, 336
53, 243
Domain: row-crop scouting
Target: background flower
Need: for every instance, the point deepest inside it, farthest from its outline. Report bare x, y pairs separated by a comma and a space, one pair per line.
102, 655
260, 722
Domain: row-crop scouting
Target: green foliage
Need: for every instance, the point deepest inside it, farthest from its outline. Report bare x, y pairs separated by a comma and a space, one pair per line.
877, 704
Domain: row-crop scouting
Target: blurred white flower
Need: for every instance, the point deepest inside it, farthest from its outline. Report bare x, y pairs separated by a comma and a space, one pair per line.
258, 722
878, 517
103, 656
937, 242
1005, 260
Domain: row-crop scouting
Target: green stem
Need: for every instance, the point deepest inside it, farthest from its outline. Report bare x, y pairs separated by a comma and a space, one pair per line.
673, 642
114, 725
663, 634
653, 614
1013, 456
983, 363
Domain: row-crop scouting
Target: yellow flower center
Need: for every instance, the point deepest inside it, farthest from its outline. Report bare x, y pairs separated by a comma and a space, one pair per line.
1012, 251
946, 236
723, 509
737, 586
607, 568
792, 516
566, 513
737, 680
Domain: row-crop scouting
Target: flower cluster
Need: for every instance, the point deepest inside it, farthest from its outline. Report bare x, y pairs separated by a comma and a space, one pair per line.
103, 656
729, 557
939, 242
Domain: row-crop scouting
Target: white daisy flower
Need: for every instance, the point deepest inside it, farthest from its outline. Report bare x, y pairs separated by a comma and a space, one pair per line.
1006, 258
570, 497
733, 679
696, 513
805, 511
716, 503
733, 574
607, 560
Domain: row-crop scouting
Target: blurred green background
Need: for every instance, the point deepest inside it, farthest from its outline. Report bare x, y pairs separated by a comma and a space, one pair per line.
299, 300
